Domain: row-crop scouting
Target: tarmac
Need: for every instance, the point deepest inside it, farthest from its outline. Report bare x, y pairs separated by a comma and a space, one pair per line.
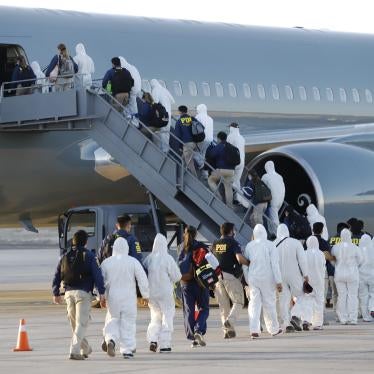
336, 349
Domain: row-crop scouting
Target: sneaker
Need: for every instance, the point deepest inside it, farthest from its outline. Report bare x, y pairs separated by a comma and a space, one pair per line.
296, 323
290, 329
111, 348
86, 354
231, 334
306, 326
280, 331
199, 339
104, 347
76, 356
127, 355
317, 328
228, 325
368, 320
194, 344
165, 350
153, 347
254, 335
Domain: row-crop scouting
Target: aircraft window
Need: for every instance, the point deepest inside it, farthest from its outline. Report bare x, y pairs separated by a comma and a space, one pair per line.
343, 95
316, 94
275, 91
219, 89
178, 88
206, 88
247, 90
289, 93
329, 94
192, 88
356, 95
146, 86
261, 91
369, 96
232, 90
302, 93
163, 84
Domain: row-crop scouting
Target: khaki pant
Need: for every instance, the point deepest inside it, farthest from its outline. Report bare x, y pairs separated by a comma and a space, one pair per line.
122, 98
257, 216
228, 179
188, 156
78, 305
329, 281
229, 289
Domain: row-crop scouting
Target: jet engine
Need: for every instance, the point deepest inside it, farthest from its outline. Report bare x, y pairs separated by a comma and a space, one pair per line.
337, 178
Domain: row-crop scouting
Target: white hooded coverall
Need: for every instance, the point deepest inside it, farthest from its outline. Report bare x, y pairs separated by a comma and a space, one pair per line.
238, 141
40, 77
293, 267
316, 261
163, 96
163, 272
348, 259
313, 216
121, 272
132, 106
276, 185
262, 276
366, 272
86, 66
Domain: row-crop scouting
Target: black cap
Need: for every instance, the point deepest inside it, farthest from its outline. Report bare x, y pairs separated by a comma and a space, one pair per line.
234, 124
183, 109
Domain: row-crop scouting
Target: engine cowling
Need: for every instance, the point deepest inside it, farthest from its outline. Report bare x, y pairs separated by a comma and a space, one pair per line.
337, 178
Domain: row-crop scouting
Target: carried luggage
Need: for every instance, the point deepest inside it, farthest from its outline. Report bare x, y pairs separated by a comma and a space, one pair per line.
232, 155
198, 131
160, 116
122, 81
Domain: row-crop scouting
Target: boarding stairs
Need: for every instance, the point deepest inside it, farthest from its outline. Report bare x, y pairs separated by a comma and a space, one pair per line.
164, 175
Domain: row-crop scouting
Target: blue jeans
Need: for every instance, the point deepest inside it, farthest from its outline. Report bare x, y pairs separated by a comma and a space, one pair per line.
193, 294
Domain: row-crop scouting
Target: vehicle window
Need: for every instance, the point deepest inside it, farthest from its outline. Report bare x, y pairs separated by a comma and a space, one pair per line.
144, 230
232, 90
178, 88
81, 221
192, 88
219, 89
275, 91
206, 88
247, 90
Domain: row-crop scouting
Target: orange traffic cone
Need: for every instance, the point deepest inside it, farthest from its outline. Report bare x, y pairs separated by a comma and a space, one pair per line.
22, 340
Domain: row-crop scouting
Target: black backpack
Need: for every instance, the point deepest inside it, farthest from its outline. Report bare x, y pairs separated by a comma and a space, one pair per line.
26, 74
72, 267
261, 192
160, 116
121, 81
299, 227
106, 249
198, 131
232, 155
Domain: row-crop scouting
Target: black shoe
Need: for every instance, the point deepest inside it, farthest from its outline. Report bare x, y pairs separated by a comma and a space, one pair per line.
111, 348
104, 347
290, 329
296, 323
153, 347
254, 335
127, 355
165, 350
306, 326
75, 356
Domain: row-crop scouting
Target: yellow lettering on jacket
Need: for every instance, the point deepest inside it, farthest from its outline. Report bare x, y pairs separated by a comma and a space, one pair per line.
221, 248
186, 121
137, 247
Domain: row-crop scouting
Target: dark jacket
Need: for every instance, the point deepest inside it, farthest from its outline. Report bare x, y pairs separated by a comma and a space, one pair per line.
56, 60
183, 128
226, 249
145, 111
324, 246
92, 273
217, 154
20, 74
108, 77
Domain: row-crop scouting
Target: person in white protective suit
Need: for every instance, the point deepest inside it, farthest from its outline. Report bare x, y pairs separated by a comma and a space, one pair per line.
86, 66
276, 185
314, 305
163, 272
163, 96
207, 121
132, 106
294, 271
263, 278
41, 82
313, 216
348, 258
366, 282
238, 141
121, 272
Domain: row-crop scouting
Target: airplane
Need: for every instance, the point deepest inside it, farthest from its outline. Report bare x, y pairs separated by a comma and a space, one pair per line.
288, 89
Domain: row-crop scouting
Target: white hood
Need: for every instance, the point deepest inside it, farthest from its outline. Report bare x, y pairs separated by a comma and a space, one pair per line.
234, 131
80, 50
365, 241
282, 232
346, 237
312, 243
120, 248
36, 68
206, 120
276, 185
269, 167
134, 74
314, 216
202, 109
160, 245
259, 233
161, 92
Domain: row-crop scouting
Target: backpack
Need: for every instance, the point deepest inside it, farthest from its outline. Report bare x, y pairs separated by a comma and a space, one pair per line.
261, 192
232, 155
205, 275
198, 131
160, 116
121, 81
65, 67
300, 227
106, 249
72, 269
25, 74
